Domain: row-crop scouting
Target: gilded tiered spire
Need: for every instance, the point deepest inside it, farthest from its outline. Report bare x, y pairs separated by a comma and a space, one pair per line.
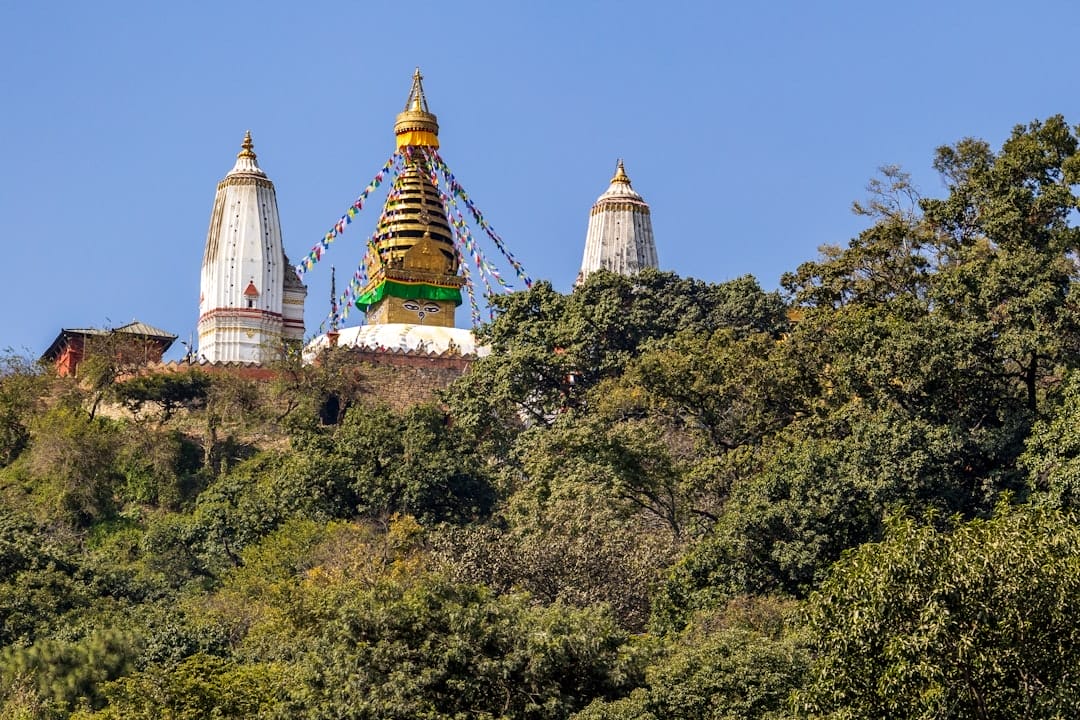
413, 274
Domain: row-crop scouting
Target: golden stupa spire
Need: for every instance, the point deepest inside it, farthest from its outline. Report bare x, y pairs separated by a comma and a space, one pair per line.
247, 148
417, 102
620, 174
416, 125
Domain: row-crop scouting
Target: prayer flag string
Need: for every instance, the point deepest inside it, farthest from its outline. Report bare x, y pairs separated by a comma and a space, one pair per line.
435, 159
317, 251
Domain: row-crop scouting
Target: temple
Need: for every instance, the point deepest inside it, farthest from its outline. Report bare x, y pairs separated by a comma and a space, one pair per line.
620, 234
250, 300
414, 277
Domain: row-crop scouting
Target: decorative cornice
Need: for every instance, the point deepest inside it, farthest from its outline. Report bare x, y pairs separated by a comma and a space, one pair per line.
635, 206
249, 313
242, 179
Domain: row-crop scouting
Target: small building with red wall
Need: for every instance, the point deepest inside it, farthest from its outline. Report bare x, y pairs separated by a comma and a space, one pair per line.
135, 343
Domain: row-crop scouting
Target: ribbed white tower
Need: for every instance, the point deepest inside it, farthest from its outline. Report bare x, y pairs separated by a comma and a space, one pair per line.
250, 299
620, 236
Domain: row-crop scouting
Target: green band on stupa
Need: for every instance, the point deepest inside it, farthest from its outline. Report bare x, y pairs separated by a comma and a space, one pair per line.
409, 291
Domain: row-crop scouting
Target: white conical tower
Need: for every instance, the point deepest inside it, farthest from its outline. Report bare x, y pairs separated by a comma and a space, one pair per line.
250, 299
620, 236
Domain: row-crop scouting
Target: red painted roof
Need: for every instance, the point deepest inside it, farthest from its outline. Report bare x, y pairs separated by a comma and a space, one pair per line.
251, 290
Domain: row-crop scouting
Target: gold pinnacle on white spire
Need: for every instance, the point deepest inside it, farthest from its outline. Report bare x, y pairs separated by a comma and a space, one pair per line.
246, 162
620, 174
247, 148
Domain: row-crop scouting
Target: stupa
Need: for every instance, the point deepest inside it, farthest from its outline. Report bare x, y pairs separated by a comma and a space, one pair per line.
414, 276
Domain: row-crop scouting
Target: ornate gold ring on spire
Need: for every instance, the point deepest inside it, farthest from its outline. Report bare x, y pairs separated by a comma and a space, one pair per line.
416, 125
247, 148
620, 174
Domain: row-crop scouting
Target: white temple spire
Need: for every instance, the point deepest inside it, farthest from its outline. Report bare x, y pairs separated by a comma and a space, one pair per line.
250, 299
620, 235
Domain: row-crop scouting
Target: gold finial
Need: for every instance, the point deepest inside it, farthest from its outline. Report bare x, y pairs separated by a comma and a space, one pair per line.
247, 148
620, 174
416, 125
417, 102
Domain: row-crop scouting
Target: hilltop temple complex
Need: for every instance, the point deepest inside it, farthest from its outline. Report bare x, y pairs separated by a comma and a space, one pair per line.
411, 281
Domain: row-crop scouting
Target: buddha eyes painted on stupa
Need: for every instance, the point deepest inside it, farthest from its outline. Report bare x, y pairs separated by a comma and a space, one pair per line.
422, 310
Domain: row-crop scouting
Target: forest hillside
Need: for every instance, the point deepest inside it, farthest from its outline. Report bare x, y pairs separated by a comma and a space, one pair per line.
656, 498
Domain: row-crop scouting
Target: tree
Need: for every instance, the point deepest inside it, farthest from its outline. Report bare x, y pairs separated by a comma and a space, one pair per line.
170, 392
891, 260
976, 621
21, 396
325, 387
40, 580
73, 458
1052, 454
232, 403
428, 648
108, 357
739, 663
1008, 243
566, 544
69, 675
413, 463
549, 350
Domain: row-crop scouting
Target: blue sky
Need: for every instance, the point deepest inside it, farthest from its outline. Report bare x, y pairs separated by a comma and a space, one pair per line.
748, 127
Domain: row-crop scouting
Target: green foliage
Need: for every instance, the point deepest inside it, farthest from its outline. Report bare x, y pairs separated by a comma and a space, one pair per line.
69, 675
74, 458
819, 490
310, 389
548, 350
19, 700
21, 386
889, 261
973, 622
411, 463
169, 392
741, 663
1052, 456
160, 468
571, 546
433, 649
37, 580
201, 686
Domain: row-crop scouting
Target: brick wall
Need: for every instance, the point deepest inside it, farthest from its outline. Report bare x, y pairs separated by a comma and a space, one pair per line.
402, 380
